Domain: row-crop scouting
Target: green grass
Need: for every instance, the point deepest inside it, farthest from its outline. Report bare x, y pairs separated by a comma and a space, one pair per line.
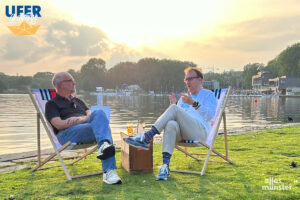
257, 157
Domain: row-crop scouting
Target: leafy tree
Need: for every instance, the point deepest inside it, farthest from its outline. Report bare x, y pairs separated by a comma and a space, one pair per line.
287, 62
17, 82
23, 82
161, 75
124, 72
2, 86
249, 71
76, 76
45, 75
42, 80
150, 73
92, 74
229, 78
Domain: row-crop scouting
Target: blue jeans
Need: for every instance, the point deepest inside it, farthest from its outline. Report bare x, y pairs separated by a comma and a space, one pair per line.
95, 129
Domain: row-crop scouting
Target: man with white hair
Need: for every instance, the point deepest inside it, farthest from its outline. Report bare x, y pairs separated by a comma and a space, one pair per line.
73, 121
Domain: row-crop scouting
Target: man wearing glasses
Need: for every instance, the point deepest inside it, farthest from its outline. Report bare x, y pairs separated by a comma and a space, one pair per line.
73, 121
188, 119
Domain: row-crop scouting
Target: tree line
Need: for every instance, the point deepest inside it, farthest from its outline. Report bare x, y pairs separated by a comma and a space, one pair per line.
159, 75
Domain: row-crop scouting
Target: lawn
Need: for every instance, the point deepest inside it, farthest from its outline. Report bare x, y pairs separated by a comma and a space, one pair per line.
261, 160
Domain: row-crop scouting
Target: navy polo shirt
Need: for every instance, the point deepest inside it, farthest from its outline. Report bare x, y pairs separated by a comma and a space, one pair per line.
61, 107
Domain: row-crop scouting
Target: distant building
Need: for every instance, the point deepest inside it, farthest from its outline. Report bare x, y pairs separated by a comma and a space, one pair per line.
99, 89
266, 82
260, 82
134, 87
213, 84
285, 85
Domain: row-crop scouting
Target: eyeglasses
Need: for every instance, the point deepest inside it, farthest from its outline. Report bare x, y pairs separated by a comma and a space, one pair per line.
190, 78
69, 80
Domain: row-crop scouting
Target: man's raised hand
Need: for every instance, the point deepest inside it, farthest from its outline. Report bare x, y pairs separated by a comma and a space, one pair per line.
172, 98
187, 98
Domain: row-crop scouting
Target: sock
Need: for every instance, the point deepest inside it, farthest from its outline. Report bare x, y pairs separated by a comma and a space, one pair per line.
166, 158
149, 134
102, 141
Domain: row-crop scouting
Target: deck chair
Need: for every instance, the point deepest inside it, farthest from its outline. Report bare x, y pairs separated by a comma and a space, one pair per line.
221, 96
39, 98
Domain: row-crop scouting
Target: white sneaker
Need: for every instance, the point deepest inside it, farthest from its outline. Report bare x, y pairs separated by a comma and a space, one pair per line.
111, 177
105, 151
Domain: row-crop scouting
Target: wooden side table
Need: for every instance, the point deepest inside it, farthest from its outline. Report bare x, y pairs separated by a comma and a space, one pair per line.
136, 160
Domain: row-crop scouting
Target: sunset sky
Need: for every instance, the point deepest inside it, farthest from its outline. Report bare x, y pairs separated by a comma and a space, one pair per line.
217, 35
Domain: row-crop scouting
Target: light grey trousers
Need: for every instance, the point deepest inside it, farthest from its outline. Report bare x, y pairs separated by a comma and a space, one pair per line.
177, 125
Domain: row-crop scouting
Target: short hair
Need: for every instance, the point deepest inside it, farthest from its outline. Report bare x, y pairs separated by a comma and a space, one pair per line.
198, 71
58, 77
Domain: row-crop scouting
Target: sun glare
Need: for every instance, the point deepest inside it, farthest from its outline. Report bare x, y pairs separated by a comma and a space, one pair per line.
137, 23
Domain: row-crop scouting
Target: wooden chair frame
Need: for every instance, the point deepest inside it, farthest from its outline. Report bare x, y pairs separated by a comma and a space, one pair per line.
221, 115
41, 117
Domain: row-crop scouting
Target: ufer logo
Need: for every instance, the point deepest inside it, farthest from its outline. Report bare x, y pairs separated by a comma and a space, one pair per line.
23, 18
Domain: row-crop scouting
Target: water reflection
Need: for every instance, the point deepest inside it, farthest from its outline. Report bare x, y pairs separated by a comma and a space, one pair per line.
18, 116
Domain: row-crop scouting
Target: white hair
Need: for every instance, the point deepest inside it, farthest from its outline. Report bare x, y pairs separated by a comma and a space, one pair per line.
58, 77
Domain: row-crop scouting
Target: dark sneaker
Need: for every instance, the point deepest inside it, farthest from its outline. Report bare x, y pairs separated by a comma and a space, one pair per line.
138, 141
105, 151
164, 173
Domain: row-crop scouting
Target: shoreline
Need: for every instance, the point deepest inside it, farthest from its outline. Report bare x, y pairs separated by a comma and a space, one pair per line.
16, 161
157, 139
256, 128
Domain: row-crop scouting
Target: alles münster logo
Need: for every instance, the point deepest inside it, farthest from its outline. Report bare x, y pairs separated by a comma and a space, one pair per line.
23, 18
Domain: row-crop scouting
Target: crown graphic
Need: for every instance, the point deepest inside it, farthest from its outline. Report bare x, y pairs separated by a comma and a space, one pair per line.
24, 29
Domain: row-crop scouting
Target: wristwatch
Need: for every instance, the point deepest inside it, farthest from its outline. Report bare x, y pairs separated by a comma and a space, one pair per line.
195, 104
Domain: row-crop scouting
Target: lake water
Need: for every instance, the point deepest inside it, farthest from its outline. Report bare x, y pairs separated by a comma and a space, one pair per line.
18, 116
